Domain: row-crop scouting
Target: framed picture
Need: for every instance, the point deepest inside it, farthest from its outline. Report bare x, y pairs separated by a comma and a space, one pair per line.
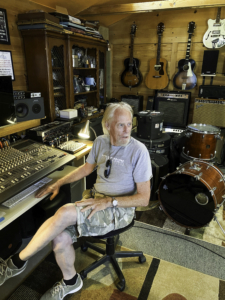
4, 30
6, 64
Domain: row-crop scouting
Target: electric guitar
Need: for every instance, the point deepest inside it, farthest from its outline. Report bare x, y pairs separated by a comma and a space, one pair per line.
157, 77
215, 35
131, 76
185, 78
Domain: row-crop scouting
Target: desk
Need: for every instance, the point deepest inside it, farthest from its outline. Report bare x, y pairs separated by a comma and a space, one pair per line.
20, 208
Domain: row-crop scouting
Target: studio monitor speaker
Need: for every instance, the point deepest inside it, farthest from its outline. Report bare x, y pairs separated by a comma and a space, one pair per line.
135, 101
209, 64
209, 112
29, 109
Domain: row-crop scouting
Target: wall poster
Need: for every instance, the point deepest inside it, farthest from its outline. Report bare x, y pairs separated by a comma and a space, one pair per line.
6, 64
4, 30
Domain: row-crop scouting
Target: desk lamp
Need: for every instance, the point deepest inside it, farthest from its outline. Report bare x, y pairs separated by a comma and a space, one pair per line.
85, 132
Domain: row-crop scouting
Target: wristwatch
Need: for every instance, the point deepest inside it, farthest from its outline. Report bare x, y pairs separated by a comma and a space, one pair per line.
114, 202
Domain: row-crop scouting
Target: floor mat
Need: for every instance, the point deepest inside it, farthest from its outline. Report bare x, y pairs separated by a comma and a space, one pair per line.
153, 280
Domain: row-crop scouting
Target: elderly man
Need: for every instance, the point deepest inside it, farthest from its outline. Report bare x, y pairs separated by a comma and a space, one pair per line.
123, 183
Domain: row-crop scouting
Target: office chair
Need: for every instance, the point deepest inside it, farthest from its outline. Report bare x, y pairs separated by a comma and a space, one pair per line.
109, 254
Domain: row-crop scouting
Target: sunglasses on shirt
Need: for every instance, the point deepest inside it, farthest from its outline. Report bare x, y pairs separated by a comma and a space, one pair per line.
108, 165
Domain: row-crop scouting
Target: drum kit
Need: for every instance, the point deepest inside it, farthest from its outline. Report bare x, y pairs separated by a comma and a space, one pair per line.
192, 195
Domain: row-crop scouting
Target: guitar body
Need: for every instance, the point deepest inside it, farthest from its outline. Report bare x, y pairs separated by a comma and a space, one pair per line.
131, 76
185, 79
215, 35
157, 77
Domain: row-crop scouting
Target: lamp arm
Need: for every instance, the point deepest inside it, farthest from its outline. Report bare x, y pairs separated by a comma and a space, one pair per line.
94, 132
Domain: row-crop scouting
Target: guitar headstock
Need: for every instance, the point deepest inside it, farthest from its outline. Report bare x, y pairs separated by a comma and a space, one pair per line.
160, 28
191, 27
133, 29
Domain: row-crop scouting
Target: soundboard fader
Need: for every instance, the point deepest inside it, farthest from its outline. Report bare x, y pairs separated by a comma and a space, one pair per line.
26, 162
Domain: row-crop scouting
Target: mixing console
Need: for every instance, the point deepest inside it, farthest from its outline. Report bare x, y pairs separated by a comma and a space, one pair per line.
26, 162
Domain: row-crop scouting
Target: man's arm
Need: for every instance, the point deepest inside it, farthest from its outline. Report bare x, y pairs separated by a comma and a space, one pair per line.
75, 175
141, 198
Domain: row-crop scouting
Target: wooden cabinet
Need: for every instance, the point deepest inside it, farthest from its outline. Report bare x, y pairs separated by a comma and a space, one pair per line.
50, 68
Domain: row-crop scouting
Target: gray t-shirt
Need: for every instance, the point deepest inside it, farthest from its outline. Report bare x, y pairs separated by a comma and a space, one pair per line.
130, 164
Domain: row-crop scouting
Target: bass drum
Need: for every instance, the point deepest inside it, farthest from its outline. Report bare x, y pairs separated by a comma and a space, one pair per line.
189, 195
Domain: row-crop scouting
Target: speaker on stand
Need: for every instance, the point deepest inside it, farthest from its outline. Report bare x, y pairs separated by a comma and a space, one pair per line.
17, 110
29, 109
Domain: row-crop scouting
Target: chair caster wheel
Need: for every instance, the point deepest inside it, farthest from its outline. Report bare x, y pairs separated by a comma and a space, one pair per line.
121, 286
84, 248
82, 275
142, 259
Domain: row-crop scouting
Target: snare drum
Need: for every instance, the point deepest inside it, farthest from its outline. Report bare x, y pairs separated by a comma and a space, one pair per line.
190, 195
201, 141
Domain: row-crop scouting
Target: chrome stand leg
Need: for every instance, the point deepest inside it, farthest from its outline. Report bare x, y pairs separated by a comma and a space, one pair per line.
215, 219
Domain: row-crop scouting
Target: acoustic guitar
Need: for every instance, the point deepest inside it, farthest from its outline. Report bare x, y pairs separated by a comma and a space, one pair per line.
157, 77
215, 35
131, 76
185, 78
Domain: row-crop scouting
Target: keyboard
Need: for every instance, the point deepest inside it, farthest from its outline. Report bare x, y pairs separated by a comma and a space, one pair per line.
72, 146
25, 193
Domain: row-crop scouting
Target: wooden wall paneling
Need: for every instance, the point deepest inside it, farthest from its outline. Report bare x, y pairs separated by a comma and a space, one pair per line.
144, 7
174, 44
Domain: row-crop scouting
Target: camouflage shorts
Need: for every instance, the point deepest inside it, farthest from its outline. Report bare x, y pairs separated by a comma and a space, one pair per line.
102, 221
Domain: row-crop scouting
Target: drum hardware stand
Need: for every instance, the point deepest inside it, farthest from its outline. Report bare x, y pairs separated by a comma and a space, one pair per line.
215, 211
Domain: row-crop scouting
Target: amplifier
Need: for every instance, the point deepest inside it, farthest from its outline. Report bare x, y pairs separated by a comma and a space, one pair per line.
135, 101
212, 91
49, 132
175, 105
150, 124
209, 112
17, 95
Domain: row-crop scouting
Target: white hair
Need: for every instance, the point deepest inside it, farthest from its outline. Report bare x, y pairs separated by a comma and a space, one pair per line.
109, 113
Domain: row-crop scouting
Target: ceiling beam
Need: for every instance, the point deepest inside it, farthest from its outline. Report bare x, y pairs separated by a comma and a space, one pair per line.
151, 6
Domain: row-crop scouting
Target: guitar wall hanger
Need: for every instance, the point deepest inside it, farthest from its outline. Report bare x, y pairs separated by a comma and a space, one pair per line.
215, 35
185, 79
157, 77
131, 76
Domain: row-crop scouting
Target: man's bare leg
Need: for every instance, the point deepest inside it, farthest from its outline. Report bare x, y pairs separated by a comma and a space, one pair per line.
65, 255
63, 218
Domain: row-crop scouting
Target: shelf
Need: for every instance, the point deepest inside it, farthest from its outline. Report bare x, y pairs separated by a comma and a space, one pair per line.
57, 68
75, 68
82, 93
21, 126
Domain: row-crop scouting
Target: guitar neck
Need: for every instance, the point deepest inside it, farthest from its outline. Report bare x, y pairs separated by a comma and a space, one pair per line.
158, 50
218, 15
188, 47
131, 50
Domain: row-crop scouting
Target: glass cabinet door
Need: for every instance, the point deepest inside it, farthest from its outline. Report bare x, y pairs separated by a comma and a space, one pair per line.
58, 78
101, 77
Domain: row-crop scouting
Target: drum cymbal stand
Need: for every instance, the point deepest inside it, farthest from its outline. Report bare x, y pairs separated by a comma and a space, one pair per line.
215, 217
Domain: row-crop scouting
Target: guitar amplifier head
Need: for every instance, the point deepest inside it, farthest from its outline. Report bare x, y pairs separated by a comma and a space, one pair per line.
209, 112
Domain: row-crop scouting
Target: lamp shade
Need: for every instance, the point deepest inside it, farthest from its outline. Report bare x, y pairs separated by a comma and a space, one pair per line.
85, 132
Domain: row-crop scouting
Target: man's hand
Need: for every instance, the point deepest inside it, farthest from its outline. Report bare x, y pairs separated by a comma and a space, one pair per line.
94, 204
52, 188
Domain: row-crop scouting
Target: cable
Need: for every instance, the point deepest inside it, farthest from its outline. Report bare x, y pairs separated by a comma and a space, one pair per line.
180, 237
